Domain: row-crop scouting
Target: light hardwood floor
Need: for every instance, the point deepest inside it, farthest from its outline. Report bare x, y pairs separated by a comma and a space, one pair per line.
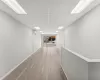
46, 66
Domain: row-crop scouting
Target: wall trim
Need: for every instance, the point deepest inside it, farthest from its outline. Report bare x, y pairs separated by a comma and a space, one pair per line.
64, 72
81, 56
9, 72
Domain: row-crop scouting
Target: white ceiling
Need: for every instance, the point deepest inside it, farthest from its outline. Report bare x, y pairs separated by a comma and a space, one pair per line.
47, 14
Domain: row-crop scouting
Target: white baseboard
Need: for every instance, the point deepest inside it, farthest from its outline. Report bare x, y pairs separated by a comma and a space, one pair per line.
64, 72
17, 65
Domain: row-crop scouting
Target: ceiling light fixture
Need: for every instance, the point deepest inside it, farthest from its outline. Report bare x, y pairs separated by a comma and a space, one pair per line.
50, 33
13, 4
61, 27
37, 28
81, 6
41, 31
57, 31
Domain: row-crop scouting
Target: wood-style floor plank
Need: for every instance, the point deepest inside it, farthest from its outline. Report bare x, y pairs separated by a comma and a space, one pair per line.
46, 66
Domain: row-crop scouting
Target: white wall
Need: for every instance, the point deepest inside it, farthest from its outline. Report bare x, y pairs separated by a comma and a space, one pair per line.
94, 70
37, 41
74, 67
57, 39
60, 39
15, 42
83, 36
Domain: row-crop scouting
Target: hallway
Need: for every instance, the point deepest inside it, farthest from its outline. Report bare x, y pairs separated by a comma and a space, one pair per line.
46, 66
49, 39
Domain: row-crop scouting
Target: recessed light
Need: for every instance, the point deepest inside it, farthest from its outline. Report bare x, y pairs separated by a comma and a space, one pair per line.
13, 4
57, 31
41, 31
49, 33
37, 28
61, 27
81, 6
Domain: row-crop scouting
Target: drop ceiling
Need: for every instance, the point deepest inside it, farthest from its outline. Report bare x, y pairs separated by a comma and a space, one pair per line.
47, 14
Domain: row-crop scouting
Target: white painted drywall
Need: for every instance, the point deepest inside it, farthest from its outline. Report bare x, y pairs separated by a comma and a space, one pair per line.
74, 67
36, 40
57, 39
60, 39
16, 42
94, 70
83, 36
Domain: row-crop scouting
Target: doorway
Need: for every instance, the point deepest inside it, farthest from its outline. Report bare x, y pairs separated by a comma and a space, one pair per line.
49, 40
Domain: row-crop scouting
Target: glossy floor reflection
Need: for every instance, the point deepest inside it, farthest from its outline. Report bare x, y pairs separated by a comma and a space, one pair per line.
46, 66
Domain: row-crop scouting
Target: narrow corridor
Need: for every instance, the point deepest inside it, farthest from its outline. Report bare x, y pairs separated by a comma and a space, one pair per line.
31, 32
46, 66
